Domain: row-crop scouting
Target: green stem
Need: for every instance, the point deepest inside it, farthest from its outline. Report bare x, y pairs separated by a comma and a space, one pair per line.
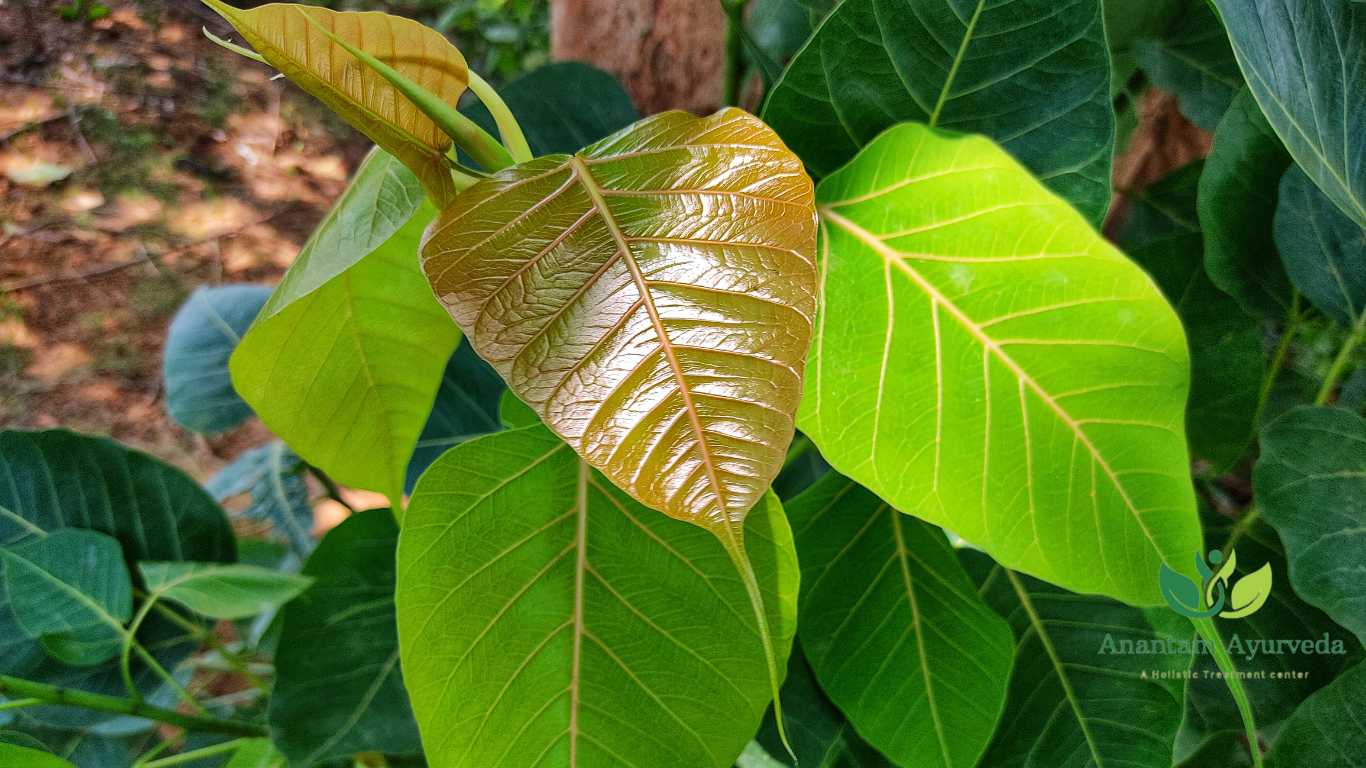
329, 487
1292, 328
1340, 363
508, 128
129, 638
51, 694
735, 61
18, 704
207, 637
1240, 528
195, 754
1205, 626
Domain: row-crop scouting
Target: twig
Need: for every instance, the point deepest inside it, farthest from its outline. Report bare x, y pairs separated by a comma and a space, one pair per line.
13, 686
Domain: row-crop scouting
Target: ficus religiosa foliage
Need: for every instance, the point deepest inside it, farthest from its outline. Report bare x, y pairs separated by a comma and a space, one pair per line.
877, 429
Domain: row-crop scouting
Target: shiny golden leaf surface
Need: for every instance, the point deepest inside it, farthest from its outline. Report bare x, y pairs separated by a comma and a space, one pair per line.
293, 39
651, 298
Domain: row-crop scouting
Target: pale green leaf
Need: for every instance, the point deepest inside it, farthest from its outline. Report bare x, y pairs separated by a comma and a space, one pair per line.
1031, 74
256, 753
70, 590
221, 591
347, 373
894, 630
1076, 698
985, 361
546, 617
1236, 206
1302, 61
1310, 484
338, 687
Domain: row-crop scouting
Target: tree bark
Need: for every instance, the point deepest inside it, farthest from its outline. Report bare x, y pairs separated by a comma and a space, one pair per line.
667, 53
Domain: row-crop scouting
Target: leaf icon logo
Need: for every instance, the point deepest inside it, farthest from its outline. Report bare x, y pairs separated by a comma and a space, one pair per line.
1222, 595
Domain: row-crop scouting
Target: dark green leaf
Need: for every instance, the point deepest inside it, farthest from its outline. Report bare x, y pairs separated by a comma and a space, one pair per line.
1323, 251
338, 688
1329, 728
563, 107
1311, 484
547, 617
1192, 59
894, 630
1072, 701
203, 334
1236, 206
820, 735
1031, 74
1163, 236
219, 591
1302, 60
70, 590
466, 407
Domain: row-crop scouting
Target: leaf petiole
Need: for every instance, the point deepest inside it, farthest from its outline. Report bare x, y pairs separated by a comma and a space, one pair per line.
508, 128
1205, 627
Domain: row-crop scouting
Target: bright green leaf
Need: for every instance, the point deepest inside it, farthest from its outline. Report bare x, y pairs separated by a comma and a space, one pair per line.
1073, 702
203, 334
294, 39
894, 629
1031, 74
338, 687
1311, 485
221, 591
544, 616
985, 361
256, 753
1162, 234
12, 756
1329, 728
616, 294
1302, 61
1236, 206
514, 413
70, 590
1323, 251
347, 373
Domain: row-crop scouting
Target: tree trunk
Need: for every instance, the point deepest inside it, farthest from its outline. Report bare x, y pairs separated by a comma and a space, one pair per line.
668, 53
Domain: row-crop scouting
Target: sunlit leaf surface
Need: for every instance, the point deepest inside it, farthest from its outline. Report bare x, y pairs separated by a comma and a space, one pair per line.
651, 298
282, 34
547, 618
985, 361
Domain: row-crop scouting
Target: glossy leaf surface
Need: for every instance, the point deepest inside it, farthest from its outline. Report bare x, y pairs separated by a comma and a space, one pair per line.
894, 628
1236, 207
1162, 234
1329, 728
1323, 251
1031, 74
355, 363
1070, 703
70, 591
202, 336
985, 361
650, 298
1311, 485
283, 35
546, 617
1302, 61
338, 688
218, 591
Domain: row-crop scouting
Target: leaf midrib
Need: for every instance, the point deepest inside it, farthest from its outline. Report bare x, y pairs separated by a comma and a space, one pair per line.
902, 556
895, 258
957, 61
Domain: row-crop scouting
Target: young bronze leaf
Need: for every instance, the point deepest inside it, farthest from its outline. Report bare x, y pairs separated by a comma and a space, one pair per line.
294, 39
651, 298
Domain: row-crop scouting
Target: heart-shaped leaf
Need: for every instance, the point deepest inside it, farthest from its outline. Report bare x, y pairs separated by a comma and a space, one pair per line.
1236, 205
1302, 60
293, 39
985, 361
1031, 74
895, 630
650, 297
546, 617
1311, 484
1079, 696
202, 336
338, 687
